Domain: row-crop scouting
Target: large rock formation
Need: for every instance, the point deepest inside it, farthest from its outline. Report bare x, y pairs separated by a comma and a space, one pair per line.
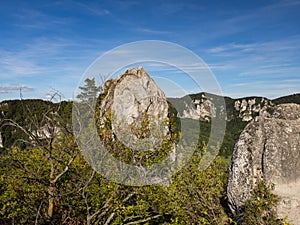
138, 109
269, 150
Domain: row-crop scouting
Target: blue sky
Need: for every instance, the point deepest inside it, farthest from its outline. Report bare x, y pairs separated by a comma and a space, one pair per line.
252, 47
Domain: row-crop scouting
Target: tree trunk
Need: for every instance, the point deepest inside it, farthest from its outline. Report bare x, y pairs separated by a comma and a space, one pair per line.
51, 190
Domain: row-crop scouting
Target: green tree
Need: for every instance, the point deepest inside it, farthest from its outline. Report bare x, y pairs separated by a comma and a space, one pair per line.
39, 175
89, 91
196, 197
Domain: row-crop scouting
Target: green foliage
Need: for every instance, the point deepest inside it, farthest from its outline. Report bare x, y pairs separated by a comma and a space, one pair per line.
195, 197
81, 196
295, 98
261, 207
142, 131
89, 91
26, 181
30, 114
84, 197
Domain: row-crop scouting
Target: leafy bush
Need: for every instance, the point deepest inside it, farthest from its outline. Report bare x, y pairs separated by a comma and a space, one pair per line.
260, 209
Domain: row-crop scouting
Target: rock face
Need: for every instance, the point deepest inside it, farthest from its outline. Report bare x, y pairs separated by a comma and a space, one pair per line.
202, 106
269, 150
248, 108
136, 103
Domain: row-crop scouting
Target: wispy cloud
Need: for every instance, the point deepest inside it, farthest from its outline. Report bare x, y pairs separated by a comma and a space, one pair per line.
30, 18
233, 47
173, 7
288, 44
43, 56
29, 60
284, 3
259, 58
15, 64
266, 68
152, 31
95, 10
5, 88
270, 16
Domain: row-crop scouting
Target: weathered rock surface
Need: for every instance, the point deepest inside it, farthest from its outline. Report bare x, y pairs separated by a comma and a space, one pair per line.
248, 108
202, 108
136, 103
269, 150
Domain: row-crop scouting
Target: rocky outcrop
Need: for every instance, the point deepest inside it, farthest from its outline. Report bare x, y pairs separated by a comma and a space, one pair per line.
250, 107
206, 106
137, 108
202, 108
269, 150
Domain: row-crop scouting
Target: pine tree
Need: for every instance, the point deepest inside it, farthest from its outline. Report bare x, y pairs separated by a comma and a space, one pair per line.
89, 91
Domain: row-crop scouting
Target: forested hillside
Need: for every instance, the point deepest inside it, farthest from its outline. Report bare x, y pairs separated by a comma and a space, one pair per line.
45, 179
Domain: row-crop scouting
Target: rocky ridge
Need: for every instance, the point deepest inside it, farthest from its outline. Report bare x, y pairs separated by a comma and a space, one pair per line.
247, 109
202, 106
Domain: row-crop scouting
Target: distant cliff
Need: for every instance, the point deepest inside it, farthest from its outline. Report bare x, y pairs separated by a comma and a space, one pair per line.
202, 106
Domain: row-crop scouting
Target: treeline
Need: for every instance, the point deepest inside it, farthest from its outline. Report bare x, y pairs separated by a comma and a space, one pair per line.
31, 114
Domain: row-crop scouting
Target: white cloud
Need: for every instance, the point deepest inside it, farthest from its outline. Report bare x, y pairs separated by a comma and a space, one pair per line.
96, 10
5, 88
270, 89
43, 56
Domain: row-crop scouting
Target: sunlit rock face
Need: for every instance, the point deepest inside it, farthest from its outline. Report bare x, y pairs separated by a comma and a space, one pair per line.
269, 149
138, 109
248, 108
202, 108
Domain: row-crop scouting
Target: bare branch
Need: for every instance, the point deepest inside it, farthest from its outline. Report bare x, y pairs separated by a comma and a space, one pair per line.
111, 216
143, 220
65, 169
38, 214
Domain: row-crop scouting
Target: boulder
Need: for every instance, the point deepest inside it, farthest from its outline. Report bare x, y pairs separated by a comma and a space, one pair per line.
269, 149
